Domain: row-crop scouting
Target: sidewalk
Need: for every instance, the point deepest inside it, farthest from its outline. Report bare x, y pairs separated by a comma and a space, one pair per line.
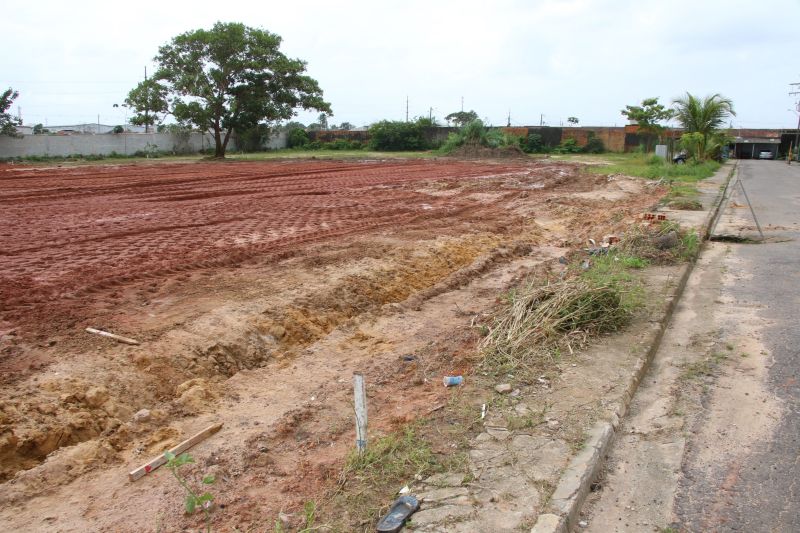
543, 443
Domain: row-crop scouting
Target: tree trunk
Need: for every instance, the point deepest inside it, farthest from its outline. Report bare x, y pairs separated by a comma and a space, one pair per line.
225, 141
219, 147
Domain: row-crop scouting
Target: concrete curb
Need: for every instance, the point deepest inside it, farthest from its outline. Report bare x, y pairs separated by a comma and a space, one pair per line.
564, 505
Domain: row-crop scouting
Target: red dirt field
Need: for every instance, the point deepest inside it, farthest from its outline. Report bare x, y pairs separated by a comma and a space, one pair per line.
72, 235
256, 290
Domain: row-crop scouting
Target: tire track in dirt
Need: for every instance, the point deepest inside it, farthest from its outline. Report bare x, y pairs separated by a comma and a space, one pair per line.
112, 226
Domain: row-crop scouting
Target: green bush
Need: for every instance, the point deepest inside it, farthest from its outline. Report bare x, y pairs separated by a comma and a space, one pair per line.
568, 146
340, 144
533, 144
594, 145
252, 139
390, 136
297, 137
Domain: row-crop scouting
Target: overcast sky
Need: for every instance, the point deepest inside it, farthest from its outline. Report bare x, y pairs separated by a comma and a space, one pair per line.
72, 61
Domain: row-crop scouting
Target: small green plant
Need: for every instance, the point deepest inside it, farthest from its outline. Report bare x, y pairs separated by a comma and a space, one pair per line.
594, 145
193, 499
568, 146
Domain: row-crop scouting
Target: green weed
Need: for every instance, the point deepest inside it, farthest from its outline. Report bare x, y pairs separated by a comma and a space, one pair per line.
193, 497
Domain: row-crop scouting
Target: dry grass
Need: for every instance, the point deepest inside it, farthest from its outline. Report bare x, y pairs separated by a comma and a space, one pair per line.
544, 320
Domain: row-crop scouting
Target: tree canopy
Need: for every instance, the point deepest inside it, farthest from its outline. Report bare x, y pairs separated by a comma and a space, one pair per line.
461, 118
8, 123
231, 77
648, 116
151, 102
702, 119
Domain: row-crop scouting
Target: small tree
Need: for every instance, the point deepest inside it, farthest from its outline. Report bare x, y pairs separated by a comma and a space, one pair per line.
297, 137
346, 126
322, 120
8, 123
461, 118
573, 121
704, 117
231, 77
39, 129
151, 102
648, 116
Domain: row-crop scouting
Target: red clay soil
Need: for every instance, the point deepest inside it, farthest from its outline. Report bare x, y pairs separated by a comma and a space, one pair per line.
256, 288
67, 234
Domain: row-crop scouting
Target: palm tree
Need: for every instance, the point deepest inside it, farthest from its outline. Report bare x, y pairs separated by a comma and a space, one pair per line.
704, 116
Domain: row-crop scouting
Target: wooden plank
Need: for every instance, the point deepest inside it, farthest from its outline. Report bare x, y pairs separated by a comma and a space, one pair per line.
180, 448
119, 338
360, 396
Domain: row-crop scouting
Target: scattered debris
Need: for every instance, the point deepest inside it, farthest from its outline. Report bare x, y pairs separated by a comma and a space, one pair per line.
401, 509
436, 407
404, 490
142, 415
119, 338
180, 448
452, 381
668, 241
503, 388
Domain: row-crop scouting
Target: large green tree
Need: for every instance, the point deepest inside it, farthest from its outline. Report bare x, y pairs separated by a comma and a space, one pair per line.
8, 123
703, 117
231, 77
649, 116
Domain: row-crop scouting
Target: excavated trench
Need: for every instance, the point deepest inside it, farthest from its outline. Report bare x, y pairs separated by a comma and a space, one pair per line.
72, 410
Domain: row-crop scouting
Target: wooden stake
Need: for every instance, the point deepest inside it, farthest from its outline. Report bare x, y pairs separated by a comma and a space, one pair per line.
180, 448
119, 338
360, 396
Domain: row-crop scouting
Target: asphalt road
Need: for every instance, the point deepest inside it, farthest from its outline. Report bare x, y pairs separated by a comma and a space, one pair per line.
761, 491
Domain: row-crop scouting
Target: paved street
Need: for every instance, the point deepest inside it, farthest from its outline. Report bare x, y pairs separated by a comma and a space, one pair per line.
711, 440
761, 491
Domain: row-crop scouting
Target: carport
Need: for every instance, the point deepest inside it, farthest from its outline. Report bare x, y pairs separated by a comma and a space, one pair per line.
750, 147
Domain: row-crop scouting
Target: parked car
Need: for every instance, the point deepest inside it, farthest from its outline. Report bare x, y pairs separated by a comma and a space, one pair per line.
766, 154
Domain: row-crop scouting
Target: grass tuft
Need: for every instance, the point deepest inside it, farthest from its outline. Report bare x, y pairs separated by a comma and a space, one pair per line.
540, 321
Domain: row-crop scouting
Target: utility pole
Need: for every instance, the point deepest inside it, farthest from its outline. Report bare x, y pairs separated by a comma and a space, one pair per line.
462, 104
146, 98
508, 125
406, 108
430, 115
795, 92
541, 120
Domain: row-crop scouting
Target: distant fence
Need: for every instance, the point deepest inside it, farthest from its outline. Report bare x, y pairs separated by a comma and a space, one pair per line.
120, 143
104, 144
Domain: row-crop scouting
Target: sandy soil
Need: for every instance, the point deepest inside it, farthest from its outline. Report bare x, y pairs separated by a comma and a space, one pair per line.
256, 290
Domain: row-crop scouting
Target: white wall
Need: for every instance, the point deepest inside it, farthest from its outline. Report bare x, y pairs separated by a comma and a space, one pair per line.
121, 143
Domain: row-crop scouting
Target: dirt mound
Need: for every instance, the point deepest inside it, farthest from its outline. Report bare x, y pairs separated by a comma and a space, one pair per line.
475, 151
